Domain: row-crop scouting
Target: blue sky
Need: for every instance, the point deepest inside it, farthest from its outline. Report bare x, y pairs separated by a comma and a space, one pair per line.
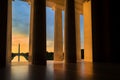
21, 23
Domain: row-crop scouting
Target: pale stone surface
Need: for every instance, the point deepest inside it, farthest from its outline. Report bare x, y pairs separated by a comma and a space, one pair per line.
78, 47
61, 4
58, 36
9, 32
87, 31
31, 30
61, 71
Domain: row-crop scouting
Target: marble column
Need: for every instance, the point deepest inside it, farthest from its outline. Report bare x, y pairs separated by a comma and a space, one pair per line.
5, 32
31, 30
39, 33
78, 47
9, 32
70, 32
87, 31
58, 35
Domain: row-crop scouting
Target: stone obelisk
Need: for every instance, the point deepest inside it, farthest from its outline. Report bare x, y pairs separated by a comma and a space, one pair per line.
19, 52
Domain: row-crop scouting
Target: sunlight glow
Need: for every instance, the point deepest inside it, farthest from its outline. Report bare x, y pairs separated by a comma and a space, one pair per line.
50, 46
23, 40
22, 59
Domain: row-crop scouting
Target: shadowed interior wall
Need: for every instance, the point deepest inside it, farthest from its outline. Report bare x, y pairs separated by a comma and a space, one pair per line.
104, 31
5, 29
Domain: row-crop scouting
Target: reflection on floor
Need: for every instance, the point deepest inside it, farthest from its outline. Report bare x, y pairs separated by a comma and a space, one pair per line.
61, 71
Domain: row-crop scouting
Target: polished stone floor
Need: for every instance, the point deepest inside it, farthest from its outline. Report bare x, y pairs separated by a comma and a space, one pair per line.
60, 71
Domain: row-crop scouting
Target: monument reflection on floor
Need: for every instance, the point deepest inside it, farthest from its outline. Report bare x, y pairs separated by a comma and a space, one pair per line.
61, 71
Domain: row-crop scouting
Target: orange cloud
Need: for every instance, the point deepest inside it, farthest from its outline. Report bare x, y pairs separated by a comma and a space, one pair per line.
23, 40
50, 46
24, 43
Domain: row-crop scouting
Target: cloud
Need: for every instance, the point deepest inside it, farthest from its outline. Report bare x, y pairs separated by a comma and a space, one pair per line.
20, 17
23, 40
50, 45
20, 29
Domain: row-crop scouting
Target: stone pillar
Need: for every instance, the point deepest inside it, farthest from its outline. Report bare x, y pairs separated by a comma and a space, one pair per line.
78, 47
9, 32
31, 29
87, 31
5, 32
58, 36
70, 32
39, 33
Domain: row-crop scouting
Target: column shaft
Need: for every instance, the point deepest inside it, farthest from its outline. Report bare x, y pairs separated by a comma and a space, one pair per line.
70, 32
78, 47
9, 32
87, 31
31, 29
58, 36
39, 33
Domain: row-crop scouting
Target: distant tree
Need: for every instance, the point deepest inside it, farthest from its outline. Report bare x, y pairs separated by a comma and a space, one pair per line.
13, 55
25, 55
49, 55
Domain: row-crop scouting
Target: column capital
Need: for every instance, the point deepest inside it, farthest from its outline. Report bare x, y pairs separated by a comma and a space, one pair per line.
28, 1
57, 7
86, 0
77, 11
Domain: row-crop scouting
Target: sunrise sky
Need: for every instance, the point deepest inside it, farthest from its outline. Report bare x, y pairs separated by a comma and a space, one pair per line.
21, 23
